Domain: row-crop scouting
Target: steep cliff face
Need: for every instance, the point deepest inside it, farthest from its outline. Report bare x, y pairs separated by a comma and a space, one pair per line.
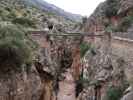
57, 61
56, 66
60, 71
109, 68
104, 73
111, 15
59, 57
19, 87
18, 77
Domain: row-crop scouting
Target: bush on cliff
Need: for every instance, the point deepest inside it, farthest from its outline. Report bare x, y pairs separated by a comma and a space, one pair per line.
15, 48
125, 23
84, 47
114, 93
26, 22
111, 8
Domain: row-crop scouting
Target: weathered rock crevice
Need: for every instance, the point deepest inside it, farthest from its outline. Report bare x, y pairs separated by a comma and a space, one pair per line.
104, 71
59, 66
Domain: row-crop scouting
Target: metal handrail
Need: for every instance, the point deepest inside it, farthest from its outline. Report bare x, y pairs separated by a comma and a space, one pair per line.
67, 34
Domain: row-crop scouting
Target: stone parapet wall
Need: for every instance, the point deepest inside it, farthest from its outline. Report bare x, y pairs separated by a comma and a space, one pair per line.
122, 47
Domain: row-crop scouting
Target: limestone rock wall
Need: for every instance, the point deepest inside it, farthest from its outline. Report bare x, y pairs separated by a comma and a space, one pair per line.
117, 54
20, 86
59, 60
103, 69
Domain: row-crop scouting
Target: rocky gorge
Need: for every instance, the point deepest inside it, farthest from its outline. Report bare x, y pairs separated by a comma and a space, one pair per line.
55, 64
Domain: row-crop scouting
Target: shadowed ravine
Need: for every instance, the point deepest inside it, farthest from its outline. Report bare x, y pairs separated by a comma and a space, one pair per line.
46, 56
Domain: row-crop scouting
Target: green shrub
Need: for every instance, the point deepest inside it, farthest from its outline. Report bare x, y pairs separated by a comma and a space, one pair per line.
11, 15
14, 48
111, 28
4, 14
114, 93
8, 9
125, 23
24, 21
111, 8
83, 80
84, 47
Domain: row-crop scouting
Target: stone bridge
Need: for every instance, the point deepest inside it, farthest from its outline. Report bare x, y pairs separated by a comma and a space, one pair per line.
56, 44
121, 43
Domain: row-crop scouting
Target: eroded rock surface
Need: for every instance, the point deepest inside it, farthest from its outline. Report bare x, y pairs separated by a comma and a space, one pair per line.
59, 57
102, 70
20, 86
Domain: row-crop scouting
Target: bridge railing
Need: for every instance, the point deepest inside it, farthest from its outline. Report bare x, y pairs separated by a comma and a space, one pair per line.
37, 33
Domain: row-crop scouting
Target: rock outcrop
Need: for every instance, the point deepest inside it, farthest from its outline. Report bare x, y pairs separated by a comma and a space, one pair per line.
59, 57
20, 86
110, 67
103, 70
59, 72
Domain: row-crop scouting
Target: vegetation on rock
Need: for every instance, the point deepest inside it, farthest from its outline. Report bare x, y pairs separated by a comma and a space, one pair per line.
125, 23
114, 93
26, 22
15, 48
84, 47
111, 8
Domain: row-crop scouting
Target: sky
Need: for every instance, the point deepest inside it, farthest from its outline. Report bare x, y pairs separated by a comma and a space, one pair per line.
83, 7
